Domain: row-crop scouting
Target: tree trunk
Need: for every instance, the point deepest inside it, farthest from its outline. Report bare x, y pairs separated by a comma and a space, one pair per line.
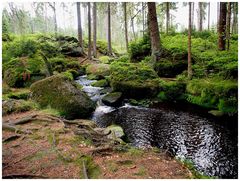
189, 41
154, 31
222, 26
125, 23
167, 17
80, 39
192, 18
143, 17
200, 8
109, 30
89, 32
235, 21
228, 25
55, 18
132, 25
208, 16
95, 30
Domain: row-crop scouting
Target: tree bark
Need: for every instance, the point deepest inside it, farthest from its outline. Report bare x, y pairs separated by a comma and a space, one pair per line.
167, 17
89, 32
235, 21
208, 16
228, 25
125, 23
192, 18
143, 17
80, 39
222, 26
154, 31
94, 30
200, 8
109, 29
189, 42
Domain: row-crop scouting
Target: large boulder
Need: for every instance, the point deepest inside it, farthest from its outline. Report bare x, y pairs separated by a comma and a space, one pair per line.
100, 70
112, 99
60, 93
116, 132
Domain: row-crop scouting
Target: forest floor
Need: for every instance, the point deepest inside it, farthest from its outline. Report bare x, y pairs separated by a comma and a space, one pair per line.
52, 151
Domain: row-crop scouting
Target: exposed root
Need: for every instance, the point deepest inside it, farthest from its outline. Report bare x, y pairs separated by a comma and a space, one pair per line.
22, 176
11, 138
85, 170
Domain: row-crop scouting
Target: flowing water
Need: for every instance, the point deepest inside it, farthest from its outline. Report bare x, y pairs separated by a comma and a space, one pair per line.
210, 143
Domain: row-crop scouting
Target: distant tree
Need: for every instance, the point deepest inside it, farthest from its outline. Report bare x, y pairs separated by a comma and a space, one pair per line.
189, 41
109, 28
228, 26
235, 18
53, 6
154, 31
208, 16
167, 16
80, 36
89, 32
222, 26
94, 29
125, 23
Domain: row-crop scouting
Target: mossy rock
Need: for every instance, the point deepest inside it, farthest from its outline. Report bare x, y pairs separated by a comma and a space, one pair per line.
98, 69
63, 95
112, 99
15, 106
100, 83
116, 132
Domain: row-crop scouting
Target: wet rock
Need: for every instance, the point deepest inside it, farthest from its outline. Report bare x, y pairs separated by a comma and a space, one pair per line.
216, 113
116, 132
61, 94
100, 83
112, 99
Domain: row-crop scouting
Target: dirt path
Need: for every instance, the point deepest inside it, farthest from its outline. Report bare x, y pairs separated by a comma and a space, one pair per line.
53, 151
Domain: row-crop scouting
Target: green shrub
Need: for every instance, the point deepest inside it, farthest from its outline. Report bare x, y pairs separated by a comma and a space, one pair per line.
139, 49
73, 65
123, 58
58, 64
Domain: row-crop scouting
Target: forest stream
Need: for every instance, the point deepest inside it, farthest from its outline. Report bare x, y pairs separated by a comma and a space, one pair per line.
205, 140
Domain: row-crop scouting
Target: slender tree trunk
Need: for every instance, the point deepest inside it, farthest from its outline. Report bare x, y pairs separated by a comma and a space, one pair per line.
235, 21
228, 25
167, 17
125, 23
200, 8
154, 31
94, 29
218, 10
132, 25
189, 41
89, 33
109, 30
143, 17
55, 18
208, 16
80, 38
222, 26
192, 8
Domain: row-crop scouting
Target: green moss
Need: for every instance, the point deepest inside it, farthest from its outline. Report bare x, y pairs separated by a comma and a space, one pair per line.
195, 174
100, 83
214, 94
135, 152
19, 95
98, 69
105, 59
68, 75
